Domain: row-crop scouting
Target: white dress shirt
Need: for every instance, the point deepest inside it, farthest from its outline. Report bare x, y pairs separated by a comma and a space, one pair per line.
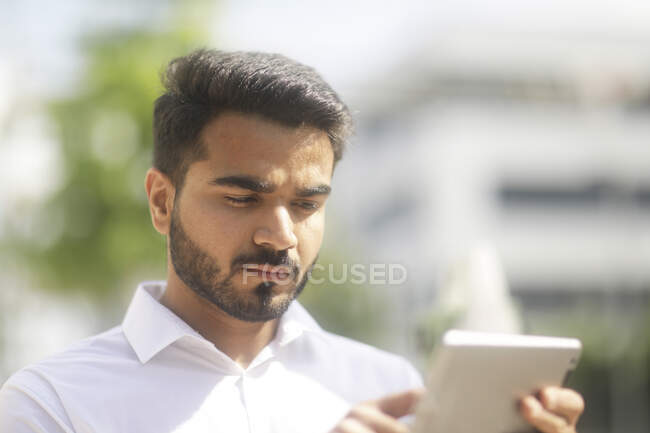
155, 374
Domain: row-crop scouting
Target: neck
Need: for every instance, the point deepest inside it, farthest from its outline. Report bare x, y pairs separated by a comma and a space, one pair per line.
240, 340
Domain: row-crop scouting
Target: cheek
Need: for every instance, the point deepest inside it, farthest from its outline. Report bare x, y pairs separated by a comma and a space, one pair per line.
310, 236
216, 229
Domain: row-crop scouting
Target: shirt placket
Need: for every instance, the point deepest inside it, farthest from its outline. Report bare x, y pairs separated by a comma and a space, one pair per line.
256, 409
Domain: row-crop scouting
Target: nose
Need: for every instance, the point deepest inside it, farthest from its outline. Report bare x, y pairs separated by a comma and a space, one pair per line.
276, 231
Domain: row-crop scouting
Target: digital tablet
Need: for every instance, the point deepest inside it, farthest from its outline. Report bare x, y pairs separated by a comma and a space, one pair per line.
477, 379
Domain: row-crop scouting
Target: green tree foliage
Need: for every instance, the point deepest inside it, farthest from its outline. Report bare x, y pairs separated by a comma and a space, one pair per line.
356, 310
99, 216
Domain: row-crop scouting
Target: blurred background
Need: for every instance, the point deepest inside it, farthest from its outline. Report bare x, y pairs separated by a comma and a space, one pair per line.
502, 156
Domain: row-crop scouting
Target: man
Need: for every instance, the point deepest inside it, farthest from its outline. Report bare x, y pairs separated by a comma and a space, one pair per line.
245, 145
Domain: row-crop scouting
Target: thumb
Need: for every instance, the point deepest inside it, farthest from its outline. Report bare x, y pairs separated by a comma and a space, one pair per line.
400, 404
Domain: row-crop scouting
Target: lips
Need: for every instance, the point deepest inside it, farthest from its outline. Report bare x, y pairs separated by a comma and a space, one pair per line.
268, 272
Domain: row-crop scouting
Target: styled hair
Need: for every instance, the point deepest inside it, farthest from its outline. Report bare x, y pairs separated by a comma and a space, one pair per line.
205, 83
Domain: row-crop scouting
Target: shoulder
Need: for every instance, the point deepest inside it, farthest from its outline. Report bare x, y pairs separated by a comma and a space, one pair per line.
375, 372
91, 354
365, 354
323, 347
29, 403
373, 357
33, 395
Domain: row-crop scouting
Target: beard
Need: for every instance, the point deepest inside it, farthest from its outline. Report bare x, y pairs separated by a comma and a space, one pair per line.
203, 275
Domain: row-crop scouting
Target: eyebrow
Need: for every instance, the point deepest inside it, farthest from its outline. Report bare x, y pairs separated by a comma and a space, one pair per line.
314, 190
258, 185
245, 182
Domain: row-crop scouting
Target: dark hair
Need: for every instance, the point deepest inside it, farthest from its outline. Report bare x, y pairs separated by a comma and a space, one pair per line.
205, 83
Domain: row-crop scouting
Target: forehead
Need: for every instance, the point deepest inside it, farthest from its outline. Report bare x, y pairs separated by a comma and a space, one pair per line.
249, 144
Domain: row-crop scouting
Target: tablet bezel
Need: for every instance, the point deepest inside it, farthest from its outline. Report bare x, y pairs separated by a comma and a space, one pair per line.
479, 378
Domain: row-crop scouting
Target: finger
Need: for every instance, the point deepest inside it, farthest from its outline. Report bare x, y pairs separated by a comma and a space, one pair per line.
351, 425
379, 422
400, 404
533, 411
563, 401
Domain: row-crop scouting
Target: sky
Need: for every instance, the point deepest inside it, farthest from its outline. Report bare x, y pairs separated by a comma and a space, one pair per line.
347, 41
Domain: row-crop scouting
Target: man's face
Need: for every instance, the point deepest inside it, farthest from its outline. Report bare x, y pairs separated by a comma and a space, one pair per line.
248, 223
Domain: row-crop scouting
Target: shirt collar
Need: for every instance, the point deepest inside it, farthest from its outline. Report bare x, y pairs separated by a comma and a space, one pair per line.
150, 327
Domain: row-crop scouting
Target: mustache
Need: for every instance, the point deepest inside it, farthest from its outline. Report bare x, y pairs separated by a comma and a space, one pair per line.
266, 256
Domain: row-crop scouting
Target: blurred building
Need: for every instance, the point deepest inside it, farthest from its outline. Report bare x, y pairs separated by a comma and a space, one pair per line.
537, 147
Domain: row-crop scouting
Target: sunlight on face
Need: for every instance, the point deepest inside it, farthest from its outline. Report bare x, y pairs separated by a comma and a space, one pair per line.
247, 226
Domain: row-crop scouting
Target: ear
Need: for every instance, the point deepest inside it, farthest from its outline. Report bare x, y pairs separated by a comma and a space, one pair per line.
160, 192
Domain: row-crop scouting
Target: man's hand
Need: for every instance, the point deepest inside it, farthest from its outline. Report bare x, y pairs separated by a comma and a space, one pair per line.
380, 415
556, 411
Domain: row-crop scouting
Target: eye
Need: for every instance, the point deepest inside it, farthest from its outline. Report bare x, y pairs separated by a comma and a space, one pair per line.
308, 205
241, 200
